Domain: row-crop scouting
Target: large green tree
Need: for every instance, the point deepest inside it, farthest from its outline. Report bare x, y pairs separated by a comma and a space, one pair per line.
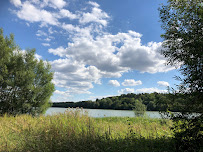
25, 82
182, 21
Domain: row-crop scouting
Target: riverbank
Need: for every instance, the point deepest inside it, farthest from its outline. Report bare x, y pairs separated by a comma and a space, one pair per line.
79, 133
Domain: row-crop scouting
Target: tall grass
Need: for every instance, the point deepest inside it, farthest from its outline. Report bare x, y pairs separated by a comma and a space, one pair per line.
74, 132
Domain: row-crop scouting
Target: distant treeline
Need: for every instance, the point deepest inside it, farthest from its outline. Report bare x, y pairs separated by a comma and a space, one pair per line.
153, 102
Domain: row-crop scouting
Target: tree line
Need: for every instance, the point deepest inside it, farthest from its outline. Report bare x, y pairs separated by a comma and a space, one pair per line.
152, 101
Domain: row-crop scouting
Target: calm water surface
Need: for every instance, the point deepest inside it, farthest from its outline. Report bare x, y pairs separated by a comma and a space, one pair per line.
99, 113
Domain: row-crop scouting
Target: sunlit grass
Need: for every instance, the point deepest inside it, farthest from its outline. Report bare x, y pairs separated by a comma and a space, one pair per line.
75, 132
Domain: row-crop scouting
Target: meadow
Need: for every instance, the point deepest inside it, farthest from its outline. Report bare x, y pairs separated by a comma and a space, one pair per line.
74, 132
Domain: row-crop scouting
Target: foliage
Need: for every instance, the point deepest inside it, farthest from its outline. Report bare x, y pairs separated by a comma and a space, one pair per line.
188, 133
140, 108
182, 21
79, 133
25, 82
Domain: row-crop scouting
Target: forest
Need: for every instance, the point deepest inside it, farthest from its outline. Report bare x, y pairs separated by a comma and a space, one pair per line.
152, 101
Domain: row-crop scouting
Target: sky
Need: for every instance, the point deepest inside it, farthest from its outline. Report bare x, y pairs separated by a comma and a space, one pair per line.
96, 48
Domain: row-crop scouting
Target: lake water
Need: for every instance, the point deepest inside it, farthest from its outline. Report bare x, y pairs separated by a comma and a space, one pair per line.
99, 113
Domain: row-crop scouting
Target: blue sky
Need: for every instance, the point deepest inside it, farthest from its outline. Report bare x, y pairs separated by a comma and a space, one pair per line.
97, 48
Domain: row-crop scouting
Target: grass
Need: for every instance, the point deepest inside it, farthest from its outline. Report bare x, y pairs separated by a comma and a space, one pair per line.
78, 133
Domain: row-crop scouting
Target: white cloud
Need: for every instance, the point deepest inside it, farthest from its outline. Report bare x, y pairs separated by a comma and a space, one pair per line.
100, 53
163, 83
144, 58
38, 57
61, 96
45, 44
150, 90
32, 14
47, 39
74, 76
131, 55
126, 90
97, 15
91, 52
63, 93
114, 83
57, 3
70, 27
17, 3
41, 33
131, 82
68, 14
93, 4
60, 51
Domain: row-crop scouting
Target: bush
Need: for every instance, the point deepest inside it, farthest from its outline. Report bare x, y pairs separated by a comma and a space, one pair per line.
139, 108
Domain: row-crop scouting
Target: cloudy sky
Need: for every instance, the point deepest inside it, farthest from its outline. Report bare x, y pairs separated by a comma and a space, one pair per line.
97, 48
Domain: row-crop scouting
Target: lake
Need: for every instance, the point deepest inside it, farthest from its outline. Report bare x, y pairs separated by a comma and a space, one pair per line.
99, 113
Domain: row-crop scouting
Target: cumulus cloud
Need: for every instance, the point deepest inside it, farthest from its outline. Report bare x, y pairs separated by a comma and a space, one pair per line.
75, 76
150, 90
126, 91
144, 58
97, 15
114, 83
60, 51
100, 52
131, 82
32, 14
95, 52
90, 53
163, 83
113, 55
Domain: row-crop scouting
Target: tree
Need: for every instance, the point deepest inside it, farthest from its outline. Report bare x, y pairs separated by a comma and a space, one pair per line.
25, 82
139, 108
182, 21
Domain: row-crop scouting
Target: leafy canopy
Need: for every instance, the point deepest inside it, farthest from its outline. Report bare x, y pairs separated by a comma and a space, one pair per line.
25, 82
182, 21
